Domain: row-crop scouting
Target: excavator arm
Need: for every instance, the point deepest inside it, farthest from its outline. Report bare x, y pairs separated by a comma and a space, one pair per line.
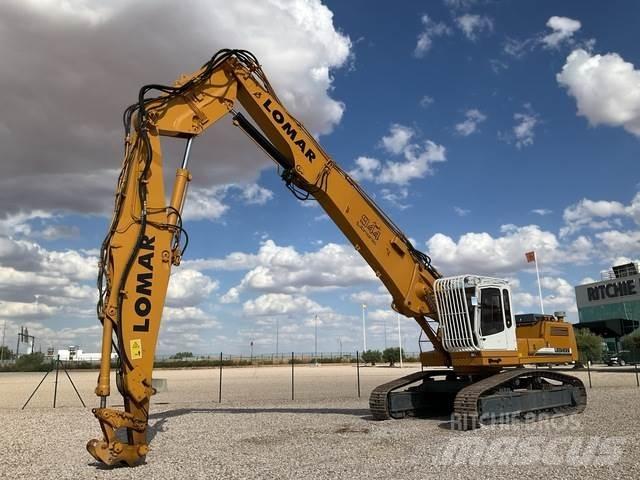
146, 238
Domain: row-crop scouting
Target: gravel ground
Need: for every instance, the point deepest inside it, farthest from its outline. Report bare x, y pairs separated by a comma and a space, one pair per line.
258, 432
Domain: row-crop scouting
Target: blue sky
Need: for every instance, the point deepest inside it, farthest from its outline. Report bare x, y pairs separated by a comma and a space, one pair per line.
484, 129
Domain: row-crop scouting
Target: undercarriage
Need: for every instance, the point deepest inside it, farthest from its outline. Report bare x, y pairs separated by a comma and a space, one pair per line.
473, 400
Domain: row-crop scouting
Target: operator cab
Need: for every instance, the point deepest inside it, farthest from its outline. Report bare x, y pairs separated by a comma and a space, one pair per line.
475, 313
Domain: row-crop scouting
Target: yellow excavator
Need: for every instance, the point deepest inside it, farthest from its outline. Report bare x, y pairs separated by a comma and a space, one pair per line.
468, 319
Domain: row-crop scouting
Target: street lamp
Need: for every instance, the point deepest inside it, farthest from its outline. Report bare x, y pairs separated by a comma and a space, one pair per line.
315, 351
384, 322
364, 328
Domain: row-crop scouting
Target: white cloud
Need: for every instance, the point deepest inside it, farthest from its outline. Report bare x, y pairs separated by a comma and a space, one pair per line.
606, 89
212, 203
497, 65
189, 287
205, 204
254, 194
473, 118
426, 101
484, 254
461, 212
590, 214
396, 197
417, 164
366, 168
379, 297
278, 269
563, 30
518, 48
562, 297
398, 138
542, 211
524, 129
472, 25
430, 30
616, 243
62, 168
280, 303
460, 4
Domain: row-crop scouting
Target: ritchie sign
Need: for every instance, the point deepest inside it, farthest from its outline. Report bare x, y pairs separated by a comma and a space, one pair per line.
610, 291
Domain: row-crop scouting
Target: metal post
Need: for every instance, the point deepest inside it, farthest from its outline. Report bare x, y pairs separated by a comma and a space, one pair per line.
589, 372
358, 370
535, 257
220, 385
293, 361
55, 389
635, 367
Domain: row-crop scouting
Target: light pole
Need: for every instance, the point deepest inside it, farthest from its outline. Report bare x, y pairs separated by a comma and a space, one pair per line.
340, 343
364, 328
399, 338
384, 322
277, 328
315, 350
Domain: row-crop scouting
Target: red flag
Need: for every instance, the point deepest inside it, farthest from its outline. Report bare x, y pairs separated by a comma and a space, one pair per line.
530, 256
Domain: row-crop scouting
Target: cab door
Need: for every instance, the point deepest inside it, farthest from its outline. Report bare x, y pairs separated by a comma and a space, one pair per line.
496, 328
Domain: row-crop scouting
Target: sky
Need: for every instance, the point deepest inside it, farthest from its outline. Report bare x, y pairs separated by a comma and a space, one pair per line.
484, 129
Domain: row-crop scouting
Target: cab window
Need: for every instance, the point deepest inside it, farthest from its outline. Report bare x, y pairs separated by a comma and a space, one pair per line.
491, 317
507, 307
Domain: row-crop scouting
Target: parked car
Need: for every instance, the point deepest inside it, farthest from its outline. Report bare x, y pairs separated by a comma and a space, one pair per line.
620, 358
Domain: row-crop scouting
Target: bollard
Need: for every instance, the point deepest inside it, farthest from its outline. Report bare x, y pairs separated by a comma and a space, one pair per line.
55, 389
220, 386
635, 365
589, 372
293, 361
358, 370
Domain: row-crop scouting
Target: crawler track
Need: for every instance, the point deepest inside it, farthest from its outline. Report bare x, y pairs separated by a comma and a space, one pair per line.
467, 411
379, 398
507, 394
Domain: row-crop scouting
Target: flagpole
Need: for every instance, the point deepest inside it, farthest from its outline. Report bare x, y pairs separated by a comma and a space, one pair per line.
535, 256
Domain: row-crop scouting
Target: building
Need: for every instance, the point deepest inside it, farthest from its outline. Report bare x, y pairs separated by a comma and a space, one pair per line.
74, 354
611, 307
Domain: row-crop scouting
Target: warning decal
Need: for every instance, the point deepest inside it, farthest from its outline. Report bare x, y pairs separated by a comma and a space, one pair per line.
136, 349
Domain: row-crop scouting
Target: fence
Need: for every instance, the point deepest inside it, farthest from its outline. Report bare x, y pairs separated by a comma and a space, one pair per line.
211, 360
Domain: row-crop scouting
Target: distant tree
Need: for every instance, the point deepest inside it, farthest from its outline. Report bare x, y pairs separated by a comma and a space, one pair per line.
631, 341
5, 353
181, 355
30, 363
371, 356
589, 345
391, 355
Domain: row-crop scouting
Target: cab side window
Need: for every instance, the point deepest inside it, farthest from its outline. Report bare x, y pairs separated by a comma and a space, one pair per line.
507, 308
491, 316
